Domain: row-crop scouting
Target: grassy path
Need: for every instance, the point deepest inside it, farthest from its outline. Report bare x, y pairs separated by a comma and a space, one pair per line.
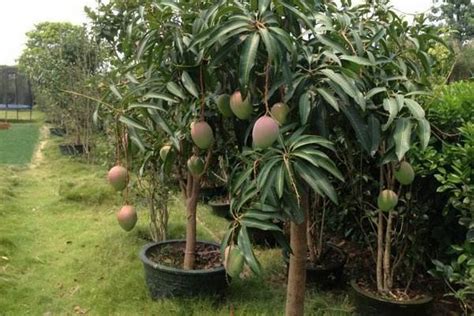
62, 252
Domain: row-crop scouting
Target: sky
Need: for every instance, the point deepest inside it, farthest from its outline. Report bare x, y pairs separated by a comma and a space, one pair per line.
20, 16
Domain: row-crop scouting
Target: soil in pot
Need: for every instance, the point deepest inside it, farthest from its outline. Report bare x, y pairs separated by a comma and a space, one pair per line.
72, 149
328, 271
370, 303
165, 276
221, 208
172, 255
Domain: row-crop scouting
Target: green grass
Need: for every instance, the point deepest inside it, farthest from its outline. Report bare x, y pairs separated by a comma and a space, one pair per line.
18, 142
62, 251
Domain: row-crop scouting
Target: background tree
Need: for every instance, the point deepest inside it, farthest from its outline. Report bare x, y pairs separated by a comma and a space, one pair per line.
60, 58
458, 15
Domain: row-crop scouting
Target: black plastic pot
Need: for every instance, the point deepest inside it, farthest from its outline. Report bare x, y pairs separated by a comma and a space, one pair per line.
262, 238
221, 209
208, 193
368, 304
328, 276
57, 131
164, 281
72, 150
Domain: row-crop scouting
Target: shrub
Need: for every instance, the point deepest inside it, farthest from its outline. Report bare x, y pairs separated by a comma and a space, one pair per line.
452, 108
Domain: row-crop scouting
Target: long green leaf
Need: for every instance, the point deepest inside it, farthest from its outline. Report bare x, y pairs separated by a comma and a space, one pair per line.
244, 243
341, 81
402, 136
391, 106
262, 216
146, 106
320, 160
160, 96
175, 89
270, 44
356, 59
375, 91
263, 5
259, 224
424, 132
330, 99
218, 33
247, 58
374, 134
304, 107
188, 83
415, 109
132, 123
280, 181
359, 126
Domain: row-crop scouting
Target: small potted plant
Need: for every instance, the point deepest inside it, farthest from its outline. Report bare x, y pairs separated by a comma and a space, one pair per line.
326, 261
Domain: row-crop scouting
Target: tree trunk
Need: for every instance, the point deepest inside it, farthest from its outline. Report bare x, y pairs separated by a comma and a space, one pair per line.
297, 272
380, 252
191, 205
310, 227
387, 280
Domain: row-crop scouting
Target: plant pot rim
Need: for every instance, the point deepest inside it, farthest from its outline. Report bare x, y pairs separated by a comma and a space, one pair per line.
143, 256
418, 301
217, 203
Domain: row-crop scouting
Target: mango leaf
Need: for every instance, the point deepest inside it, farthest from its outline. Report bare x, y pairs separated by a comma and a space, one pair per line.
262, 216
247, 58
424, 132
316, 180
375, 91
115, 91
359, 126
259, 224
263, 5
330, 99
304, 107
226, 239
415, 109
391, 106
280, 181
160, 96
270, 44
402, 136
319, 160
175, 89
284, 38
132, 123
374, 134
341, 81
188, 83
356, 59
245, 245
146, 106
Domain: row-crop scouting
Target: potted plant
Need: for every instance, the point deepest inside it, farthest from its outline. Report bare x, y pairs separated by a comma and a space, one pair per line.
176, 108
326, 261
389, 72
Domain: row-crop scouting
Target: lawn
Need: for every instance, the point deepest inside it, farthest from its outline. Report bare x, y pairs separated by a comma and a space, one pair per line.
17, 143
62, 251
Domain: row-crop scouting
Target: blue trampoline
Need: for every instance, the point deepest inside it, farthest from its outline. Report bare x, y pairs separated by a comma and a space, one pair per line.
15, 92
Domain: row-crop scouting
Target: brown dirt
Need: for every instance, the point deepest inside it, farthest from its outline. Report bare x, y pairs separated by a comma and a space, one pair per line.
172, 255
38, 155
4, 125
